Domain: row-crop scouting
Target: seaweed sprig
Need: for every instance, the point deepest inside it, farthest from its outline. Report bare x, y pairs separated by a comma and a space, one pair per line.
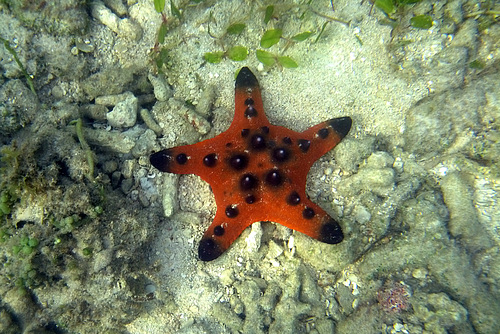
13, 52
159, 53
89, 155
270, 37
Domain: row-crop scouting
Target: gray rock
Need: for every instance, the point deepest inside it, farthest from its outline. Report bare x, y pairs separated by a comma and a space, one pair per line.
249, 291
112, 140
205, 102
448, 67
464, 223
434, 123
112, 100
453, 10
94, 111
7, 323
123, 27
177, 121
380, 159
375, 176
109, 166
19, 106
117, 6
161, 88
129, 29
115, 179
169, 193
128, 168
427, 244
110, 81
102, 259
145, 144
349, 153
150, 122
287, 314
59, 17
124, 114
254, 238
223, 313
270, 297
126, 185
438, 312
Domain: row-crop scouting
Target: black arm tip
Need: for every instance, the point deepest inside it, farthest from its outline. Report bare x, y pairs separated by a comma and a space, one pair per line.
209, 250
341, 125
331, 232
161, 160
246, 78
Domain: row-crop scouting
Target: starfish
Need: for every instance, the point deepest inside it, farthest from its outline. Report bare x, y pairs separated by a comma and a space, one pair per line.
257, 172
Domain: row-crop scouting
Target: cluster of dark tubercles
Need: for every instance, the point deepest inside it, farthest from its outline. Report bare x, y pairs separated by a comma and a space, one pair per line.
250, 110
257, 141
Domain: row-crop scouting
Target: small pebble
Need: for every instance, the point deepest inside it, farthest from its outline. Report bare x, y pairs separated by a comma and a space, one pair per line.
150, 288
57, 92
126, 185
117, 6
109, 166
380, 159
419, 273
104, 15
128, 168
94, 111
84, 47
115, 179
143, 199
398, 165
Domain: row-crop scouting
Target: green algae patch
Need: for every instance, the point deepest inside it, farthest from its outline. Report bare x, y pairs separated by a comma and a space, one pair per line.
421, 21
235, 28
214, 57
386, 6
237, 53
270, 38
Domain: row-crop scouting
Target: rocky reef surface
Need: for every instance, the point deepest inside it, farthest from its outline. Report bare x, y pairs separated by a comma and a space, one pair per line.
94, 239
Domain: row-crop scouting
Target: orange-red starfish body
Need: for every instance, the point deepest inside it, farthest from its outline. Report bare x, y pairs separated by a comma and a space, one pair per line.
257, 172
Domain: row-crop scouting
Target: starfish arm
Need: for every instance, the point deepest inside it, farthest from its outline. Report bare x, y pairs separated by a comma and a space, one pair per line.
249, 109
307, 218
220, 235
200, 159
171, 160
310, 219
321, 138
